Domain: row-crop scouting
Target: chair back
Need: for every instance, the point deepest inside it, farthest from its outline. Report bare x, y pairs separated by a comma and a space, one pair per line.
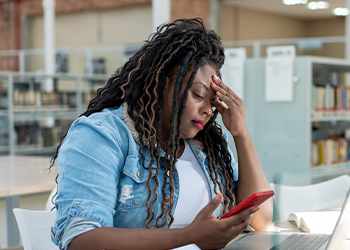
324, 195
49, 204
35, 228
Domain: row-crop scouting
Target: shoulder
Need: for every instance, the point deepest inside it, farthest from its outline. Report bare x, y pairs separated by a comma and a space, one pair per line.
108, 125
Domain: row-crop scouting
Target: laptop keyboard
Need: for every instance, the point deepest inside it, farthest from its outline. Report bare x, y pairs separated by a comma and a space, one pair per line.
302, 242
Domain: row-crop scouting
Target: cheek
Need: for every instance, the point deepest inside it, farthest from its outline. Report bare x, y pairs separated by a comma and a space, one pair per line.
189, 111
185, 117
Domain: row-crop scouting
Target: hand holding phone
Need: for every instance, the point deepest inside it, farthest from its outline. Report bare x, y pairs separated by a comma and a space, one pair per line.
253, 200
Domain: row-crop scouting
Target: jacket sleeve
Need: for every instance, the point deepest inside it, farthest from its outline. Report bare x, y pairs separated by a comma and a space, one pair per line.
76, 226
89, 163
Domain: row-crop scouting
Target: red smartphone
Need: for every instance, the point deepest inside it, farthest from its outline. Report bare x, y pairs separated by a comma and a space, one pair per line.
253, 200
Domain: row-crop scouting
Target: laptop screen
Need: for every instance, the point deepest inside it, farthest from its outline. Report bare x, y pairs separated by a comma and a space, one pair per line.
342, 228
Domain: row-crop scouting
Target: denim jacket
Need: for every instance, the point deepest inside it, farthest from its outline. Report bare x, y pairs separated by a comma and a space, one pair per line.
101, 179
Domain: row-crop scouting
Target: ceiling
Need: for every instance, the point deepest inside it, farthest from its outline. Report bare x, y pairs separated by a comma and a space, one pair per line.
299, 11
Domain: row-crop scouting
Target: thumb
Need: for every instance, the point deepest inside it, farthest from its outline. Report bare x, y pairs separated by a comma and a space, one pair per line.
212, 205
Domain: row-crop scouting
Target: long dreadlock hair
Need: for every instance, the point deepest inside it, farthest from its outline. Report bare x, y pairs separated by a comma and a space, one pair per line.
173, 50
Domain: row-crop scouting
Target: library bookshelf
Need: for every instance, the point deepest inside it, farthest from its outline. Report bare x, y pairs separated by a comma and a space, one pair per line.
34, 119
288, 135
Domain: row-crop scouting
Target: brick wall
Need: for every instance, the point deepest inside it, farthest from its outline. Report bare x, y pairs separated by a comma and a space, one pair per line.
7, 37
191, 8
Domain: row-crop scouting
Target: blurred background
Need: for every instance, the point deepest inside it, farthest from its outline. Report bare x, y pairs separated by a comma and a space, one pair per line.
55, 54
102, 31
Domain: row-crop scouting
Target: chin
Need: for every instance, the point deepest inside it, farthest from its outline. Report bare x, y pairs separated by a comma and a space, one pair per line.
189, 135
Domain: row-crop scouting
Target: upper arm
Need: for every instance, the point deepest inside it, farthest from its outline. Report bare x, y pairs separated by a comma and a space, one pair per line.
89, 163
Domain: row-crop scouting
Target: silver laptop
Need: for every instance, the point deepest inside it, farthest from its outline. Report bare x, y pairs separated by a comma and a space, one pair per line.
259, 240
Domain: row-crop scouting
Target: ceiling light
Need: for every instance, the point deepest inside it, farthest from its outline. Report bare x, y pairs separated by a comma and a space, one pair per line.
320, 5
294, 2
341, 11
312, 6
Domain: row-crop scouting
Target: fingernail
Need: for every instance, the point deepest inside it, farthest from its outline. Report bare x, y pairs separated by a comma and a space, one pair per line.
217, 197
216, 77
214, 83
255, 208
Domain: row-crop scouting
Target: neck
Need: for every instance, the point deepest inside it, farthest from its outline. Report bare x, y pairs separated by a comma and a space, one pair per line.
163, 145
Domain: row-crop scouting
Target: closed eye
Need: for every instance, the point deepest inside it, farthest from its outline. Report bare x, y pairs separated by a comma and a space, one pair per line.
198, 96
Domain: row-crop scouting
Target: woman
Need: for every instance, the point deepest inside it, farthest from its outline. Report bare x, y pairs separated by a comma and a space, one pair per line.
146, 166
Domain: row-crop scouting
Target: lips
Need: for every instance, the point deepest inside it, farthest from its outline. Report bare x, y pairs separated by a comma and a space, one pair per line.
199, 124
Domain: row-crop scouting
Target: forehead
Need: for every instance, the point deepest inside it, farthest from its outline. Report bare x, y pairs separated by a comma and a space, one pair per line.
205, 71
203, 78
204, 74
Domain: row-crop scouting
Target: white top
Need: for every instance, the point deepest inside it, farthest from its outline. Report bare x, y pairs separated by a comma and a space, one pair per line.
194, 192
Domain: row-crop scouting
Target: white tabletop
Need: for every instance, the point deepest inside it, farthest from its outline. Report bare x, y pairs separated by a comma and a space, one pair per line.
21, 175
25, 175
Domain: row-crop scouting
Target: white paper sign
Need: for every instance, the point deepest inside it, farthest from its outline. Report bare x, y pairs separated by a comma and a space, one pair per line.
279, 74
281, 52
232, 72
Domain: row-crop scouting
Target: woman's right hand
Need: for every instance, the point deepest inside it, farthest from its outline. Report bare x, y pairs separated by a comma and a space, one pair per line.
208, 232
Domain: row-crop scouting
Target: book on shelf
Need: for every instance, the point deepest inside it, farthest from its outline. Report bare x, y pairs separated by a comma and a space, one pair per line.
32, 99
35, 134
38, 99
329, 151
88, 96
315, 222
3, 131
330, 100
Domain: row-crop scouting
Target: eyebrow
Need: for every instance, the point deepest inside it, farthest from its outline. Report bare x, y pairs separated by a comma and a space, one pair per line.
204, 87
202, 84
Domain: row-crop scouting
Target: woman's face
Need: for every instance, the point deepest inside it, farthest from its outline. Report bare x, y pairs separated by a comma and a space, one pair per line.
201, 98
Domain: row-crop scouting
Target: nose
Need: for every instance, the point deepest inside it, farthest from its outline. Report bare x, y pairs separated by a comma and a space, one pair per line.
206, 109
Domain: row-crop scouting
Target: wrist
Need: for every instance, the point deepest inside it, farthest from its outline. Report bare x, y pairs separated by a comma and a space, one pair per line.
189, 235
241, 136
184, 236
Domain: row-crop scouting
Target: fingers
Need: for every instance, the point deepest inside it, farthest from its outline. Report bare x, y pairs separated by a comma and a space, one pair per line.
241, 217
208, 232
224, 92
212, 205
219, 106
235, 224
225, 89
